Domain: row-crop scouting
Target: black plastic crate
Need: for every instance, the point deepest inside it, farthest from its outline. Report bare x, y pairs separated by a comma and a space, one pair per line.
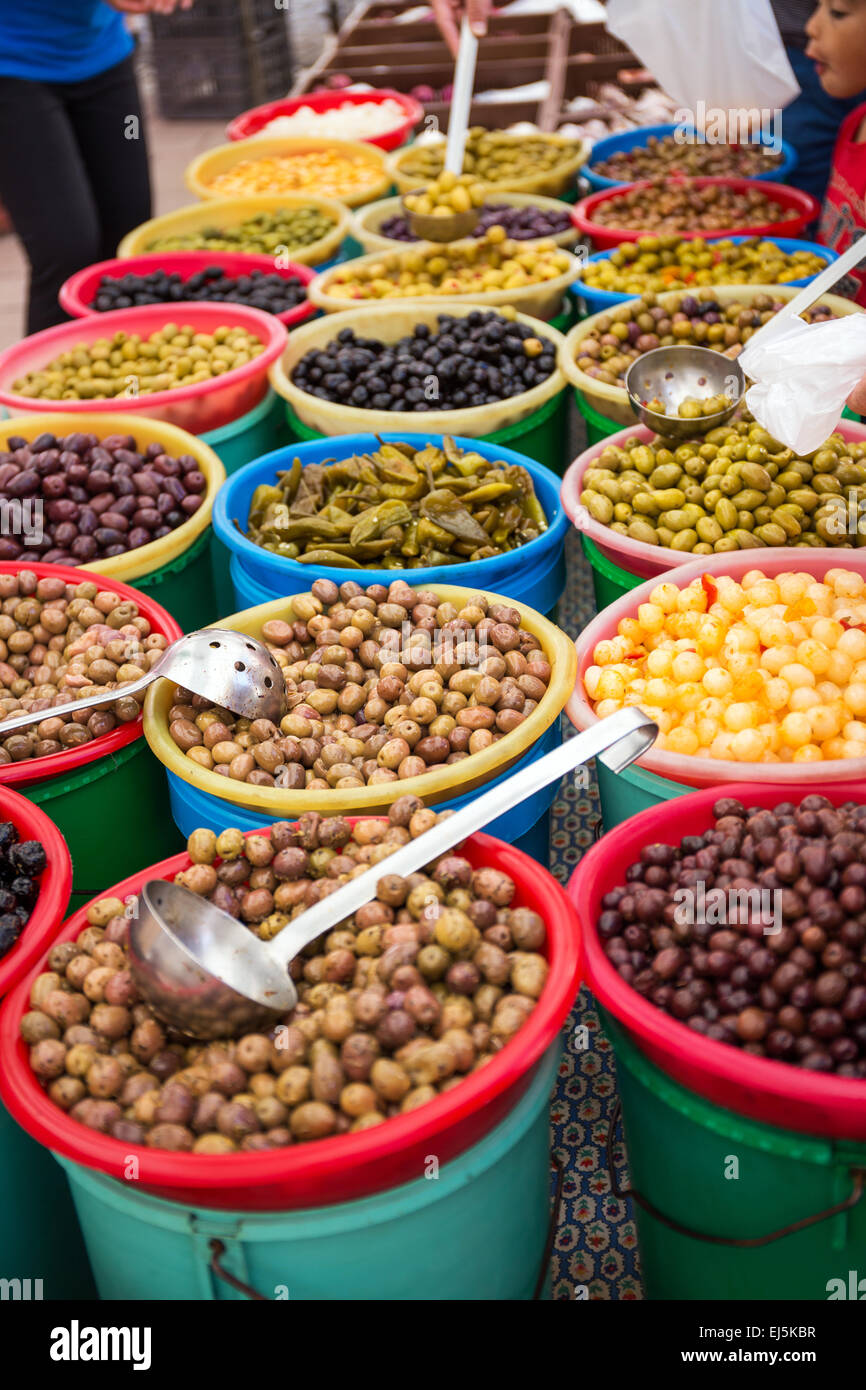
218, 78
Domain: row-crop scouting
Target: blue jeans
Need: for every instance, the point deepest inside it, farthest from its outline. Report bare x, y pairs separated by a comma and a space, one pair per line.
811, 124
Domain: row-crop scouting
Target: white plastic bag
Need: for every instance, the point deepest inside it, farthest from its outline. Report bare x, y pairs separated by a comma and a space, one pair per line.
803, 374
724, 54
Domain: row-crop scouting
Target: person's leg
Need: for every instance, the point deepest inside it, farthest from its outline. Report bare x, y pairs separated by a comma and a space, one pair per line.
811, 124
44, 188
105, 113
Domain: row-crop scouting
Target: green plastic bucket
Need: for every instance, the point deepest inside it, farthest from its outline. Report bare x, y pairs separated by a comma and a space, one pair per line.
185, 586
609, 581
39, 1235
540, 436
598, 427
717, 1173
474, 1229
257, 432
92, 813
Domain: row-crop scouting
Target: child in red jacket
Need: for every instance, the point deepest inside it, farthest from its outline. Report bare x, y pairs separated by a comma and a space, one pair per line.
837, 46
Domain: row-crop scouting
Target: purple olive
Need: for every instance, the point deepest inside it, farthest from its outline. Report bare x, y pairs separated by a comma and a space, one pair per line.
126, 505
139, 535
106, 536
54, 486
147, 483
168, 467
77, 474
9, 549
115, 519
191, 503
63, 509
164, 503
175, 488
78, 494
102, 502
65, 534
116, 549
148, 517
42, 442
123, 485
25, 484
84, 548
194, 481
87, 521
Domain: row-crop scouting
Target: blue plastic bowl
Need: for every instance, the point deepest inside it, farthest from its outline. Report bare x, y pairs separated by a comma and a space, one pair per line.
597, 300
534, 574
637, 139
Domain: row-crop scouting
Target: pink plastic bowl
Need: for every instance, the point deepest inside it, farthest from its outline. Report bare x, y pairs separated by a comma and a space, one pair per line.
636, 556
204, 406
772, 1092
79, 291
251, 122
713, 772
604, 238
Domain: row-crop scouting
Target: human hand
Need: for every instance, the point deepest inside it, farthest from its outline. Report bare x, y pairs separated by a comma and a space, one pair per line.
857, 399
448, 13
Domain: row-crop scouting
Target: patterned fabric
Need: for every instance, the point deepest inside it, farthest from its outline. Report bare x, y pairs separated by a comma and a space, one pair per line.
595, 1248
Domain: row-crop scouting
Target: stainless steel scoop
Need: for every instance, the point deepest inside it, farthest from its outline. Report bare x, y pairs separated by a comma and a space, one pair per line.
675, 373
233, 670
206, 973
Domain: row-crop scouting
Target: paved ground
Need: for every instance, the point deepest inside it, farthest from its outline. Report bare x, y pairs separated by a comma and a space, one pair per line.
172, 145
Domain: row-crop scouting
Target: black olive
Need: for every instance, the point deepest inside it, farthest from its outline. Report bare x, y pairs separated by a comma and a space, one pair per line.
28, 857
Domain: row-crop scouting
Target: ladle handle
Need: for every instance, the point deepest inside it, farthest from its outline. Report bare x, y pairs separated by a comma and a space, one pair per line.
461, 98
21, 721
618, 740
822, 284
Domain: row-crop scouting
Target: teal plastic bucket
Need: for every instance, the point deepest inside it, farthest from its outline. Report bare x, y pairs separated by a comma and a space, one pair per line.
623, 794
715, 1172
474, 1229
39, 1235
609, 581
525, 826
534, 574
540, 436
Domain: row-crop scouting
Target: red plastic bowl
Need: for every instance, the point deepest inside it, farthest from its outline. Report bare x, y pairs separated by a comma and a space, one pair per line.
604, 238
32, 770
773, 1092
251, 122
203, 406
78, 292
55, 885
337, 1169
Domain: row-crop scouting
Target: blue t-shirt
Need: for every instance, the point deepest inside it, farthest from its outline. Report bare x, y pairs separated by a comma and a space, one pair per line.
60, 40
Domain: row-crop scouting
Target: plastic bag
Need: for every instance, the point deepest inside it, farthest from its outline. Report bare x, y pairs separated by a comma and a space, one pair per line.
803, 374
728, 56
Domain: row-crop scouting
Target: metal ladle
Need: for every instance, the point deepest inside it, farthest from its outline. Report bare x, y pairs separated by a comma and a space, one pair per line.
676, 373
206, 974
452, 226
231, 669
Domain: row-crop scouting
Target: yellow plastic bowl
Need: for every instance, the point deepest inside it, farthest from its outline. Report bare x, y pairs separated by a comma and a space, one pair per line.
612, 401
135, 564
389, 322
437, 785
367, 221
231, 212
543, 299
549, 182
200, 174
